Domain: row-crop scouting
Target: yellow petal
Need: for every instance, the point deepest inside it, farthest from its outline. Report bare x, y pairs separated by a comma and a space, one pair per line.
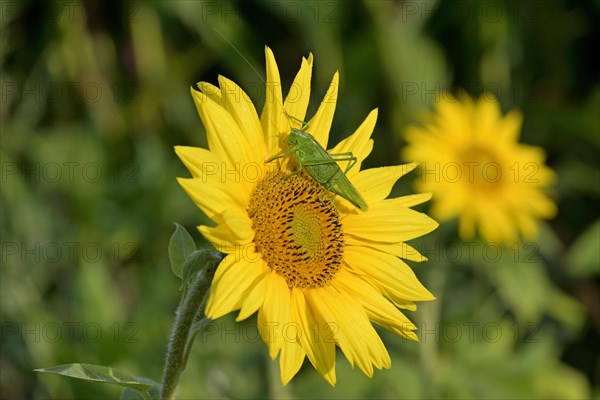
400, 249
254, 299
378, 308
510, 126
239, 105
233, 234
398, 302
387, 271
451, 116
359, 143
451, 202
466, 225
220, 237
211, 91
224, 138
314, 339
355, 334
539, 204
495, 226
298, 96
320, 123
375, 184
200, 162
410, 200
272, 113
291, 359
211, 197
274, 315
386, 222
321, 302
487, 115
232, 280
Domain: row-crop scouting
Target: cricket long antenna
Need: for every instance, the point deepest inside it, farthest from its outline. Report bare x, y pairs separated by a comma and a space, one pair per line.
239, 52
257, 73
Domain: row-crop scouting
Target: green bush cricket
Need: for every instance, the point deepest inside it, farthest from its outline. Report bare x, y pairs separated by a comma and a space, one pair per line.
317, 162
321, 165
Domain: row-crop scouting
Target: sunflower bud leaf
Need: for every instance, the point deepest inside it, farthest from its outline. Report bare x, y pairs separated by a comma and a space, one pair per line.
181, 246
195, 263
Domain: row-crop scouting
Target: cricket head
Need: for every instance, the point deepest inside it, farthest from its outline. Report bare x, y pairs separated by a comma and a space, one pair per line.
297, 137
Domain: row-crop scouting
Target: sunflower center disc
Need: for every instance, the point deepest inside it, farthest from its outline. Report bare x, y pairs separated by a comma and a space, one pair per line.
481, 169
298, 234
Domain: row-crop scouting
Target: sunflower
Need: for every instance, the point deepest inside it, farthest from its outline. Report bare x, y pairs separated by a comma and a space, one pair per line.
316, 269
476, 168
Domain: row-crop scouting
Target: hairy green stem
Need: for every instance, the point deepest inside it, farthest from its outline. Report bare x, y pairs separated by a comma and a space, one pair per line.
200, 321
179, 344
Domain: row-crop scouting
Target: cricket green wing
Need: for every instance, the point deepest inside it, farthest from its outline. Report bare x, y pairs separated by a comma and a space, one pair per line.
319, 164
346, 189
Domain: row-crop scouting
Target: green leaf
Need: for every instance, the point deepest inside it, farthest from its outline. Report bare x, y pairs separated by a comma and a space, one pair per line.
181, 246
153, 393
524, 286
130, 394
583, 259
566, 309
100, 374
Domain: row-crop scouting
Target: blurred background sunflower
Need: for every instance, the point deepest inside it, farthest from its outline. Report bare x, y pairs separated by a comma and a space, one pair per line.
94, 96
472, 162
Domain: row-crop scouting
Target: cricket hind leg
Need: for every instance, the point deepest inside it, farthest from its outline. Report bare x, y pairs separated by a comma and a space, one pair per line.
335, 158
347, 156
328, 185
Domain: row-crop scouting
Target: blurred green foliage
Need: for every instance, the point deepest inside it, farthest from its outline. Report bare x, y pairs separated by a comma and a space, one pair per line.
95, 95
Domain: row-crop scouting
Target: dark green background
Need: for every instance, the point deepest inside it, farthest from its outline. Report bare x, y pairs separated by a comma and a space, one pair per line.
94, 95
